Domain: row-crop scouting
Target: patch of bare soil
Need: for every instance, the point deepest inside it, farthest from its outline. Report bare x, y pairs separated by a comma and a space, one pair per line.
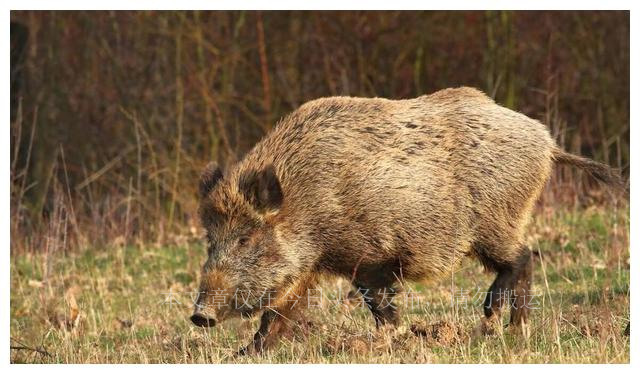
352, 344
597, 323
440, 333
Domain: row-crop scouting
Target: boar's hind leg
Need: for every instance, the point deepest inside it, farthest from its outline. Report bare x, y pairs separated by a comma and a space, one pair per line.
522, 290
380, 303
512, 284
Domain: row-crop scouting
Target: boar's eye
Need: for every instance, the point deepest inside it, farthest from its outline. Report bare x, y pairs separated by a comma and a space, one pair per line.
243, 240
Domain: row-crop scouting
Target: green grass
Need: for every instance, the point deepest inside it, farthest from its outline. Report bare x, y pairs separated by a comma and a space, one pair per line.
581, 285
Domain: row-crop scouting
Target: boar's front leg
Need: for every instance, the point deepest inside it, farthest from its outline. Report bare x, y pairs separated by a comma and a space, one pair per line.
273, 325
267, 327
278, 320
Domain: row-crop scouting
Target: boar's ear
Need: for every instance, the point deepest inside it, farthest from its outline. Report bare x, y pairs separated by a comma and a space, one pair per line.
262, 189
209, 178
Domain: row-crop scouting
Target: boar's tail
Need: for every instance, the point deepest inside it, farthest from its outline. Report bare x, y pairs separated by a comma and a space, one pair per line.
601, 172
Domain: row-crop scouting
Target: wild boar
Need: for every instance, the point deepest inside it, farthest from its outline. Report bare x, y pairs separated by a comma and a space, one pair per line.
376, 191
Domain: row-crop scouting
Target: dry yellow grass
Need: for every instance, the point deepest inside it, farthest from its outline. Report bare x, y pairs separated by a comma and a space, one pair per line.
110, 305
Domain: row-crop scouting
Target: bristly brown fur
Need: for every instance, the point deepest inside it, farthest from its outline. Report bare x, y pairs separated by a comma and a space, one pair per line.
380, 191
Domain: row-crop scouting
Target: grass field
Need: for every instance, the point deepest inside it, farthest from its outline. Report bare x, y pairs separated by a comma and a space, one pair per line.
120, 304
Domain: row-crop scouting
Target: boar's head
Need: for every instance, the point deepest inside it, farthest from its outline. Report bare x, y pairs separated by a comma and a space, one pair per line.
249, 259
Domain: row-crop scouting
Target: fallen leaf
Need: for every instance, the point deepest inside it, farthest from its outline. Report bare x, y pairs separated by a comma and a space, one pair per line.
74, 310
125, 323
35, 283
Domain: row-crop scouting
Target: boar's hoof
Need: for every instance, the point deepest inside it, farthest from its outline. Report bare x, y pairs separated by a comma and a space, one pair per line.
241, 352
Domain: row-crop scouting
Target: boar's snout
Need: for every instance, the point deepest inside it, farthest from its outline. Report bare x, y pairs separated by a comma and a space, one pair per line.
202, 317
201, 320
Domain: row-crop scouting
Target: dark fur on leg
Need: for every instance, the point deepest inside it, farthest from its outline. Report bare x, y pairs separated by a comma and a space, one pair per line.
522, 292
512, 285
380, 303
259, 338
